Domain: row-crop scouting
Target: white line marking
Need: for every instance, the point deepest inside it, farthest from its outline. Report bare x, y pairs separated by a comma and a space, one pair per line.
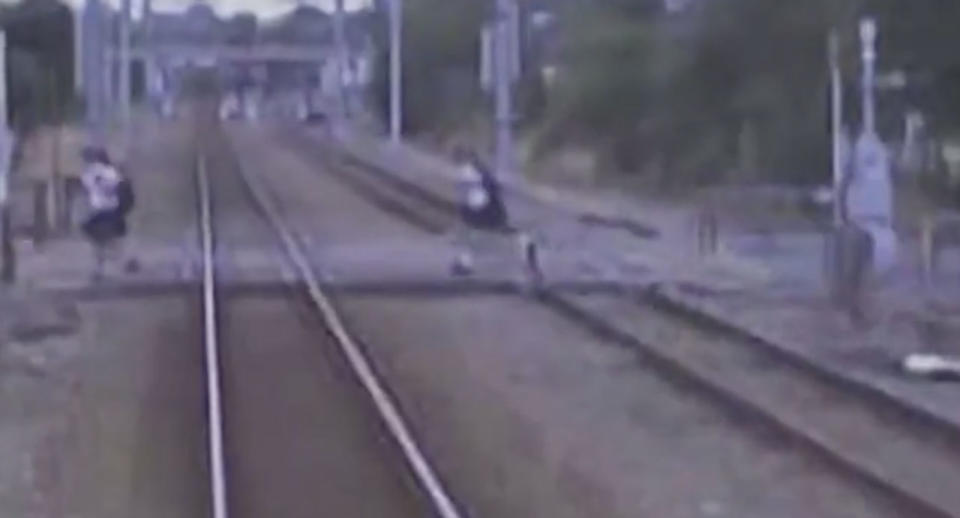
214, 397
361, 366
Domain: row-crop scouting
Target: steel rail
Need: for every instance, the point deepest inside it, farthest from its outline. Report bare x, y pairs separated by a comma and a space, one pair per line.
218, 484
388, 410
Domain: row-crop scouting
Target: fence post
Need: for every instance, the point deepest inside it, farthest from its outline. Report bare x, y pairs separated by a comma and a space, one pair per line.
41, 207
928, 249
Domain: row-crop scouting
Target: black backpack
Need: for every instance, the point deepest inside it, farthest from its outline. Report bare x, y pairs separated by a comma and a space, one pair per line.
126, 199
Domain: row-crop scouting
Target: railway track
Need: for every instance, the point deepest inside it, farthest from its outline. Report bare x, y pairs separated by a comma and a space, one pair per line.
299, 423
420, 208
871, 440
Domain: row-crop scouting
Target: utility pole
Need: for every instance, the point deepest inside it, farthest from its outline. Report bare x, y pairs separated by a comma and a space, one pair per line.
503, 77
149, 62
94, 75
396, 70
78, 57
7, 253
868, 36
340, 42
125, 69
4, 113
836, 121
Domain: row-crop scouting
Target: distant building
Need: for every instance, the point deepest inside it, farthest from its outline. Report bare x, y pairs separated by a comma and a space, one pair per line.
199, 27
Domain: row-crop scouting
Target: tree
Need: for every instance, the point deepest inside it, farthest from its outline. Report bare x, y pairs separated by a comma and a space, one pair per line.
441, 48
242, 29
633, 86
723, 87
303, 25
680, 93
40, 39
920, 37
683, 90
603, 92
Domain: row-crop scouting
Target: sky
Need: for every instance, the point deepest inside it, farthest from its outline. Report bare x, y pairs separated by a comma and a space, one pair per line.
267, 8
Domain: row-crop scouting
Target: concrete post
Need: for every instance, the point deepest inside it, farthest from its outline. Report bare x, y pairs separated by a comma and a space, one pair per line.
4, 114
503, 90
78, 57
396, 70
125, 93
340, 42
487, 52
95, 72
868, 37
153, 72
836, 122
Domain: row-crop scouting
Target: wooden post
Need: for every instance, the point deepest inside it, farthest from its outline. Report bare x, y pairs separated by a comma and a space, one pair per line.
41, 193
928, 249
8, 273
72, 189
60, 185
830, 262
55, 189
708, 232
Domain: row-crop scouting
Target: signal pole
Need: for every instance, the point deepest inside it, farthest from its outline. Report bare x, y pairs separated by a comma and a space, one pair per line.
870, 197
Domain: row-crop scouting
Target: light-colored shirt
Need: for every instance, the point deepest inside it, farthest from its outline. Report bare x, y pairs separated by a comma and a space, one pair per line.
870, 200
870, 193
474, 193
101, 181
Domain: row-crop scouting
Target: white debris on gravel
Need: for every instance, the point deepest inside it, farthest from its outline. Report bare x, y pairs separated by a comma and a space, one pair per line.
932, 366
29, 360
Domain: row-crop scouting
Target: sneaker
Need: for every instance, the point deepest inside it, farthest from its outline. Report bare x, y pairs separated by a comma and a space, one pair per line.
531, 259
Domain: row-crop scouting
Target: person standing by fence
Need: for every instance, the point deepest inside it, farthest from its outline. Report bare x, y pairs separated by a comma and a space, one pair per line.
111, 199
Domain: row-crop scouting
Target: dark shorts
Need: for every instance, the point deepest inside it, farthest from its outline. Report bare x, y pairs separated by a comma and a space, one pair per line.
492, 218
853, 263
105, 226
